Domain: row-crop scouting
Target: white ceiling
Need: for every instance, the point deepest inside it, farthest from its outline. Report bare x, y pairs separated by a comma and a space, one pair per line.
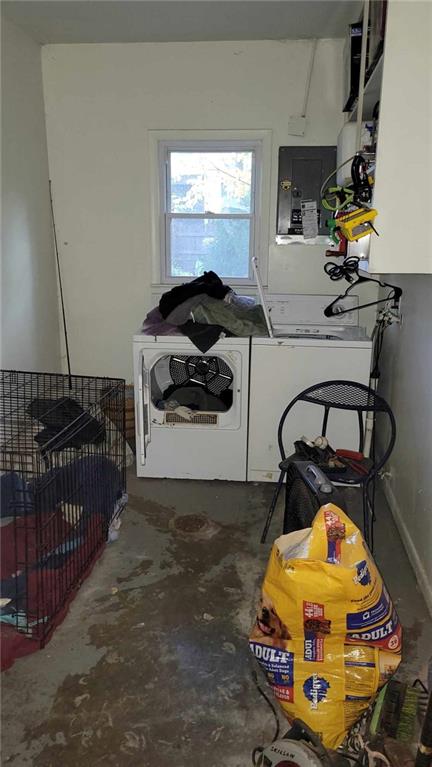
129, 21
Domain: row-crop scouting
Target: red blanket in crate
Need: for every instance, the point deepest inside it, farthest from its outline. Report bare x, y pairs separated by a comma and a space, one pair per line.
51, 582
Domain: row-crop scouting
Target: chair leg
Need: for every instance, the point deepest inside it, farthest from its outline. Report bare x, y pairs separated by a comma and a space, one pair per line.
371, 498
272, 506
369, 512
366, 516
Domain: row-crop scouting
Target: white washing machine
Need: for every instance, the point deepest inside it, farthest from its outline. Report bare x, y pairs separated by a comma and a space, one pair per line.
303, 352
170, 371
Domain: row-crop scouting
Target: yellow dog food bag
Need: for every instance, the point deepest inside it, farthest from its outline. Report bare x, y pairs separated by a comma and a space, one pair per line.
327, 634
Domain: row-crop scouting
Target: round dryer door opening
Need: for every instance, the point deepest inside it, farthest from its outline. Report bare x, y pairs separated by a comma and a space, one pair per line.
202, 383
204, 435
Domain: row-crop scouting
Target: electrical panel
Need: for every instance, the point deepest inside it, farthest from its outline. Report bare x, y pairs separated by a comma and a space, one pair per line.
302, 171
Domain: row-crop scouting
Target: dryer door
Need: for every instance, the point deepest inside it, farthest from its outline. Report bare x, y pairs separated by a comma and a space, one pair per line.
191, 409
143, 408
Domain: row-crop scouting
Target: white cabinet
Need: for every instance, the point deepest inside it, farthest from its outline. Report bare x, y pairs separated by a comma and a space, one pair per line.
402, 192
279, 372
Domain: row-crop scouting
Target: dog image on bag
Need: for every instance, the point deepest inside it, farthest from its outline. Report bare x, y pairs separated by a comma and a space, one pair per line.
320, 627
269, 624
336, 532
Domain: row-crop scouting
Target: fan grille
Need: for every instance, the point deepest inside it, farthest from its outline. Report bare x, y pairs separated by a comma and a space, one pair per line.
211, 372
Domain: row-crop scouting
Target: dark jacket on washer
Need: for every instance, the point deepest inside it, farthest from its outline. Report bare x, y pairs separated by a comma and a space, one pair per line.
209, 283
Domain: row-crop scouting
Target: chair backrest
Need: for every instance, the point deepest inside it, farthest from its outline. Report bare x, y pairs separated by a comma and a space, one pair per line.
344, 395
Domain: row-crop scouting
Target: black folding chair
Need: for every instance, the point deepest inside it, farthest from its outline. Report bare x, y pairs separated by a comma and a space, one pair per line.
345, 395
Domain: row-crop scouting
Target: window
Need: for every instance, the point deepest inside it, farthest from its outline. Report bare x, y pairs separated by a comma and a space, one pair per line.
210, 201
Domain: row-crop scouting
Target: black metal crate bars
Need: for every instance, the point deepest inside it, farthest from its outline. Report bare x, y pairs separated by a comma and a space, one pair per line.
62, 482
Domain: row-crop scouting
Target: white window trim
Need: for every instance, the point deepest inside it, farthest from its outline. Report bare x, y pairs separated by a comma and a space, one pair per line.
165, 147
160, 143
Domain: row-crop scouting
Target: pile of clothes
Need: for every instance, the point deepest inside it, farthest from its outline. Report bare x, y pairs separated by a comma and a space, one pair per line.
203, 310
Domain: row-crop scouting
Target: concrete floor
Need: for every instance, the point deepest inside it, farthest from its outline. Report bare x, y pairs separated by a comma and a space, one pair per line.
151, 667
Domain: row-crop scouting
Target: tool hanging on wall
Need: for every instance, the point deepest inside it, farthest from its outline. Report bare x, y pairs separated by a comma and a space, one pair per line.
358, 193
337, 238
357, 224
353, 218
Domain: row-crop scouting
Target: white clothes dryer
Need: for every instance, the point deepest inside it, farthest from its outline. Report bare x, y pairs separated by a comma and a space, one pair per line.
170, 373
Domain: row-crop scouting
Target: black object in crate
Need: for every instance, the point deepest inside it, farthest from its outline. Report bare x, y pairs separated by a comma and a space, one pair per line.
63, 481
66, 423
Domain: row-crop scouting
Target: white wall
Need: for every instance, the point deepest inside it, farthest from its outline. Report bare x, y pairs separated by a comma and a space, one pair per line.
29, 316
406, 383
101, 101
407, 70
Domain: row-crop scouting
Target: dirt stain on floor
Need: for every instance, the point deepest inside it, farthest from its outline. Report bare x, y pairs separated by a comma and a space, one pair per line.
410, 637
175, 672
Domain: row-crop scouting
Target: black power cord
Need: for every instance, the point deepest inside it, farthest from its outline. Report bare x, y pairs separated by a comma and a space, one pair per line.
259, 749
348, 270
255, 754
419, 683
378, 340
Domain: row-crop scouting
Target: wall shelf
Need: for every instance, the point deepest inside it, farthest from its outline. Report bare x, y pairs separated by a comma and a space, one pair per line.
372, 93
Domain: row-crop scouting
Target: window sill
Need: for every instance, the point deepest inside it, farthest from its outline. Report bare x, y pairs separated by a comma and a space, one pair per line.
246, 288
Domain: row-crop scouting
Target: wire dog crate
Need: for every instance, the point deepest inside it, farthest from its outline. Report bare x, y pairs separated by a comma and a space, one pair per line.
62, 483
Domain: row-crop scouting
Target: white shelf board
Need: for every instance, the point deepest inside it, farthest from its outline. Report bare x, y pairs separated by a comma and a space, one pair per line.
372, 93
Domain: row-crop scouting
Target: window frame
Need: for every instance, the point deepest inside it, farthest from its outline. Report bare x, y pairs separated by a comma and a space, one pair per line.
165, 147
